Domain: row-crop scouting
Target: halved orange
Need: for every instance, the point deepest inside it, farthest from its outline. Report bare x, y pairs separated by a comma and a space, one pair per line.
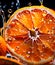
30, 34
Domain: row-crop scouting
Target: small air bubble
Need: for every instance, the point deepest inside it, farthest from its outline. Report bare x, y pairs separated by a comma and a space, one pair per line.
12, 3
50, 20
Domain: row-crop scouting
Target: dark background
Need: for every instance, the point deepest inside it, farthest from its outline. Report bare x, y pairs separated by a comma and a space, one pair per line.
5, 5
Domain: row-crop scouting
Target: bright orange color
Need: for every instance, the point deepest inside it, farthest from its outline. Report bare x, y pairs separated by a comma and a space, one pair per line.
30, 34
3, 47
8, 61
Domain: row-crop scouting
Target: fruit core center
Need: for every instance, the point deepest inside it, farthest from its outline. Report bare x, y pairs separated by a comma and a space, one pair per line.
33, 34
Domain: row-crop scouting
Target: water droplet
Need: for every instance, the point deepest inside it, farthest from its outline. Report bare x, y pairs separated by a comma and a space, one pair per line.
9, 15
42, 55
28, 52
4, 6
32, 51
16, 4
50, 20
0, 6
13, 50
42, 19
27, 56
11, 6
9, 39
17, 47
53, 28
44, 14
17, 1
8, 55
10, 10
12, 3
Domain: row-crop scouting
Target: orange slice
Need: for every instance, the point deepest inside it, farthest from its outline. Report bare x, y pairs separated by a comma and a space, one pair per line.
8, 61
3, 47
30, 34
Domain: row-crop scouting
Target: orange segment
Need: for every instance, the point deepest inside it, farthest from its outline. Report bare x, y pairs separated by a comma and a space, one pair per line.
22, 48
49, 40
36, 17
50, 23
16, 29
25, 18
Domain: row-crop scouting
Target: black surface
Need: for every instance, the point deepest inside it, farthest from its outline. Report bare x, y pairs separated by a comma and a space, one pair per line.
25, 2
49, 3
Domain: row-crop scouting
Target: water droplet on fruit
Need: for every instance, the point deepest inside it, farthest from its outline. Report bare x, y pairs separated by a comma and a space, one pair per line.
32, 52
50, 20
42, 55
17, 47
28, 52
13, 50
44, 14
42, 19
27, 56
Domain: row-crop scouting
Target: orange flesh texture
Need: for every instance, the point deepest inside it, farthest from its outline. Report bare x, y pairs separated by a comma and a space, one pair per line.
3, 48
17, 34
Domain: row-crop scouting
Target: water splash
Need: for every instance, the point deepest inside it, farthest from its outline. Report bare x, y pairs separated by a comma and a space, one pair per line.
3, 20
41, 1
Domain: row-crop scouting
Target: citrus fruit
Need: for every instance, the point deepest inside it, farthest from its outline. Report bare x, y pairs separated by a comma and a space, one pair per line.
3, 47
8, 61
30, 34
